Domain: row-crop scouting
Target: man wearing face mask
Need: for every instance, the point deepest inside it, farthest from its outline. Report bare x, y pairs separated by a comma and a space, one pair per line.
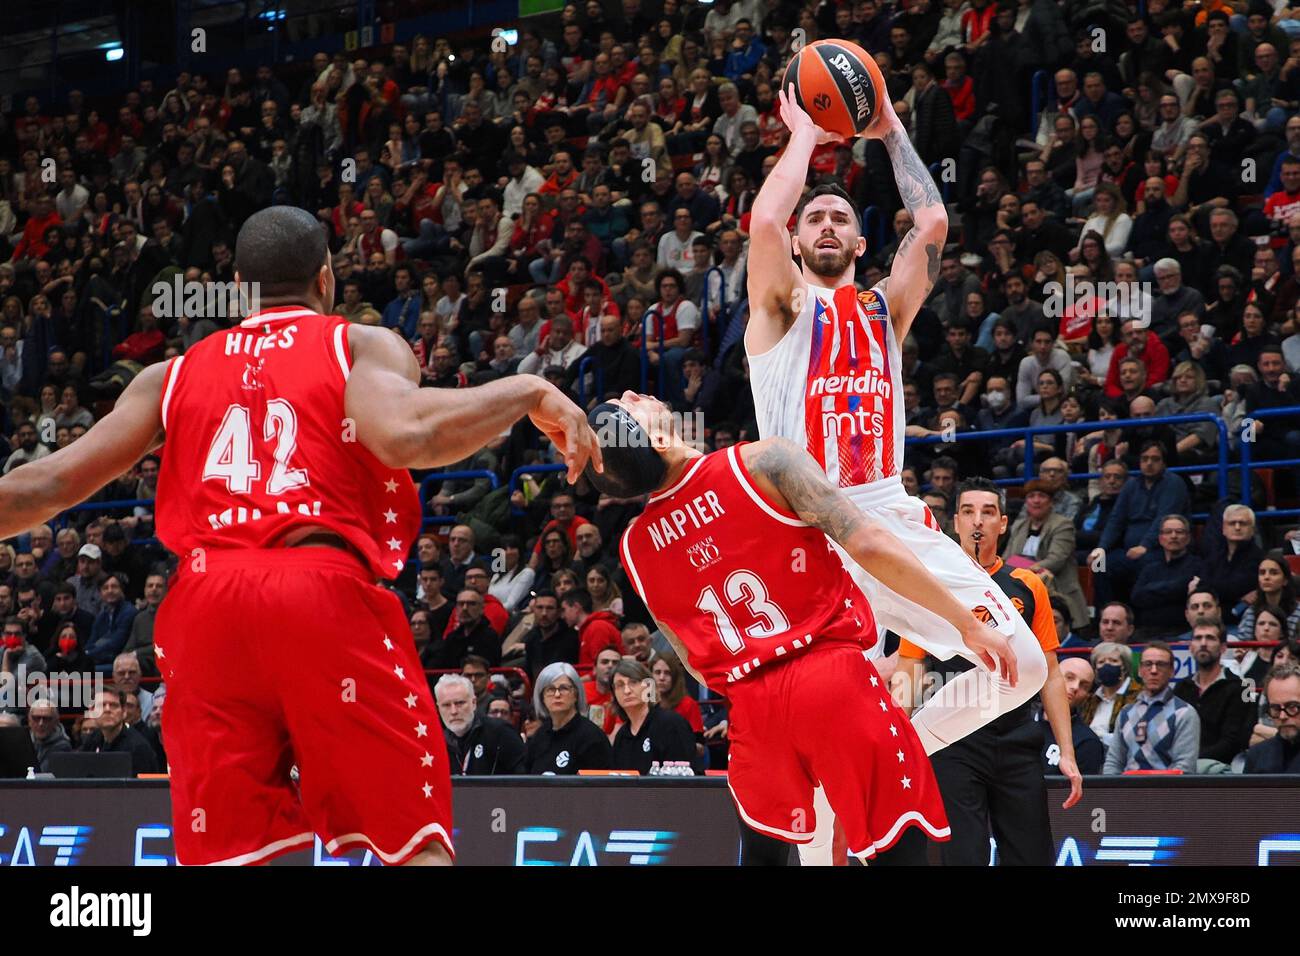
18, 654
1000, 411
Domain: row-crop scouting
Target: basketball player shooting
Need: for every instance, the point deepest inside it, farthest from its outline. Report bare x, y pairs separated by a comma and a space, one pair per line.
284, 491
826, 369
730, 557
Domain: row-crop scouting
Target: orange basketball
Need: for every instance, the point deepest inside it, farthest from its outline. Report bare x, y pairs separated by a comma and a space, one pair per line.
838, 84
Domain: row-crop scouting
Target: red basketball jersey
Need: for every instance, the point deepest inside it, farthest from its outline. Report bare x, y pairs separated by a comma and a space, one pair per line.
740, 581
258, 445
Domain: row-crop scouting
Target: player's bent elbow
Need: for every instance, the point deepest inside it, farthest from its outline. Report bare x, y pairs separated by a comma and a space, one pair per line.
398, 446
869, 544
932, 223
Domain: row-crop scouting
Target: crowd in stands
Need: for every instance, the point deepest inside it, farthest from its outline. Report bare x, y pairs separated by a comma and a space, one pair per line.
575, 205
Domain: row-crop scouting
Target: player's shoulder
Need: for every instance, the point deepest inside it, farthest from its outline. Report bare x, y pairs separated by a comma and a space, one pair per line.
873, 302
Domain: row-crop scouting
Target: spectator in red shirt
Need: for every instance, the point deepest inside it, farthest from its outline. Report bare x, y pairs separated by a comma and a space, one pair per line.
596, 630
477, 579
572, 287
598, 690
960, 87
342, 214
33, 245
145, 345
1285, 203
564, 518
976, 23
1145, 346
563, 175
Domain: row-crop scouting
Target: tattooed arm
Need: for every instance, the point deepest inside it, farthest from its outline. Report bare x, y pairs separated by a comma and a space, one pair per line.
916, 263
789, 478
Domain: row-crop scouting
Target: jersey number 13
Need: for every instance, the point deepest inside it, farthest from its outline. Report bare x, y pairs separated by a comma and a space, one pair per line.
743, 588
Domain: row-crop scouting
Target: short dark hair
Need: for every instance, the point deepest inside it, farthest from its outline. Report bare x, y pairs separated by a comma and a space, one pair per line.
546, 593
1157, 444
1214, 622
282, 248
477, 661
946, 463
1160, 646
632, 467
980, 483
1128, 611
580, 596
824, 189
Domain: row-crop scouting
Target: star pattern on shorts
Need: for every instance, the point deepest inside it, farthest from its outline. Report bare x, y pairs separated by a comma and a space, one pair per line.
401, 674
428, 790
421, 730
399, 564
158, 651
426, 760
390, 516
907, 783
410, 700
875, 681
901, 755
848, 603
893, 731
394, 544
390, 486
883, 705
388, 645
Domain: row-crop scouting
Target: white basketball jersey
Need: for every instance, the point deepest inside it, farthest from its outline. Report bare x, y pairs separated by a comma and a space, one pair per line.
834, 386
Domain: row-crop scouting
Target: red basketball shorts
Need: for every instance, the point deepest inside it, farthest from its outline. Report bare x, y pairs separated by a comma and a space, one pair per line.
294, 657
826, 718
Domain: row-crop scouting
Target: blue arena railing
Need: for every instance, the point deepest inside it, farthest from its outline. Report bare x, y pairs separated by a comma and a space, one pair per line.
438, 478
1221, 468
584, 364
653, 314
936, 173
1039, 81
523, 470
1248, 465
724, 313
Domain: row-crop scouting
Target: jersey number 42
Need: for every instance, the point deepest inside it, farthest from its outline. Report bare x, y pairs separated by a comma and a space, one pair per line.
232, 458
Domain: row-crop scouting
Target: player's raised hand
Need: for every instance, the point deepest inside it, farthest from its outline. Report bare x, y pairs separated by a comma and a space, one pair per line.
993, 650
796, 118
885, 121
1070, 771
565, 424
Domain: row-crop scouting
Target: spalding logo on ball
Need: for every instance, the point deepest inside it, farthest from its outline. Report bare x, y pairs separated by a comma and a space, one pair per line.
838, 84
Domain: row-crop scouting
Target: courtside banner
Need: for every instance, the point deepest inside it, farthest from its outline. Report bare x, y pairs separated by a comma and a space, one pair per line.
540, 821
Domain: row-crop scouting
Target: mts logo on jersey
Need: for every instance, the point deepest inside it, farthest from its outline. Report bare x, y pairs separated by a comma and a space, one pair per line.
849, 388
